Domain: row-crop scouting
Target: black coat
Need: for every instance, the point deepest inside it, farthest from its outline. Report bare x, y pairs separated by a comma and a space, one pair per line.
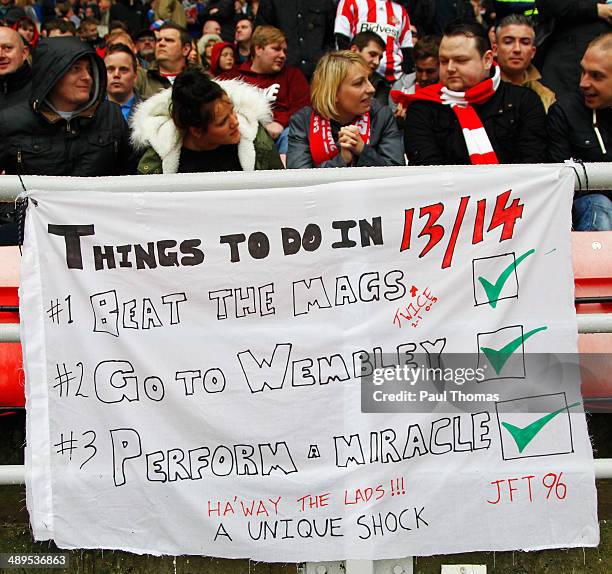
575, 25
513, 118
308, 26
37, 141
432, 16
571, 133
132, 12
224, 13
15, 87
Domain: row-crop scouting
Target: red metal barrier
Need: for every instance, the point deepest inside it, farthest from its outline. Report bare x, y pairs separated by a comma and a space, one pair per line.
592, 255
11, 368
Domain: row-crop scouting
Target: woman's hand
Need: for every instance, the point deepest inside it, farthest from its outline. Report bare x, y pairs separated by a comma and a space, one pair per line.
350, 136
274, 129
346, 143
346, 154
400, 111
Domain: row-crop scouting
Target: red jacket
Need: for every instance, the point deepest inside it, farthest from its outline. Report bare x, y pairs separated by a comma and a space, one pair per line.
293, 93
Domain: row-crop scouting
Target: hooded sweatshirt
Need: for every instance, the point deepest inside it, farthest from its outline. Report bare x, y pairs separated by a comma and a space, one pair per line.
290, 87
41, 140
216, 56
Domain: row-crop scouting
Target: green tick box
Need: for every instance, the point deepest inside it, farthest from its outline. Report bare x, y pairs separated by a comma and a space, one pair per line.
535, 426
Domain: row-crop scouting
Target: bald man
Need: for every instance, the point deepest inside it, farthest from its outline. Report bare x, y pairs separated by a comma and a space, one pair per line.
15, 78
580, 127
15, 73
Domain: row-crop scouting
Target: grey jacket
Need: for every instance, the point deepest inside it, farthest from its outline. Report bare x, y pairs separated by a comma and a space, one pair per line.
385, 147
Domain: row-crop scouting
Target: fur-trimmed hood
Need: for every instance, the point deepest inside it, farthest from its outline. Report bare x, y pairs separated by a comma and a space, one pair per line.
152, 125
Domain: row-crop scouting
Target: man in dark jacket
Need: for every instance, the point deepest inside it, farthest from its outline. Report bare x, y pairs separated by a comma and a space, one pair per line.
171, 50
132, 12
432, 16
576, 23
308, 26
580, 127
509, 123
67, 127
15, 73
223, 12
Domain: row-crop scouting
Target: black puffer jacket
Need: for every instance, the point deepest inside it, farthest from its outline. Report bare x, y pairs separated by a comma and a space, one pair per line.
514, 119
36, 140
571, 133
308, 26
575, 24
432, 16
223, 12
15, 87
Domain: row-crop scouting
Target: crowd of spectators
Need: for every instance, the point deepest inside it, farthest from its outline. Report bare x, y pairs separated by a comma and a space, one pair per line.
108, 87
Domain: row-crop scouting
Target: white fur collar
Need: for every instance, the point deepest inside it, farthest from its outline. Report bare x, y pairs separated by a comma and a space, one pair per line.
153, 127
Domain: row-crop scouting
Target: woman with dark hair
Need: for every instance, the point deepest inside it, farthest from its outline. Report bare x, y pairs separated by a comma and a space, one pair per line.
345, 126
200, 125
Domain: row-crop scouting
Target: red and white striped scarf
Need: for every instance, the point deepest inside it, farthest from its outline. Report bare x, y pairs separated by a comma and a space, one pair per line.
322, 144
476, 139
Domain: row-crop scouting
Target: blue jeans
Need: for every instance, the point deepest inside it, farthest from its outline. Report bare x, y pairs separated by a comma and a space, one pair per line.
282, 142
592, 212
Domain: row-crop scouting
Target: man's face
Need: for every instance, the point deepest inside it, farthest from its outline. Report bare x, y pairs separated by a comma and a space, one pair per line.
372, 54
515, 48
121, 74
74, 87
104, 6
427, 71
270, 59
88, 32
211, 27
461, 65
169, 47
244, 31
146, 46
596, 79
13, 52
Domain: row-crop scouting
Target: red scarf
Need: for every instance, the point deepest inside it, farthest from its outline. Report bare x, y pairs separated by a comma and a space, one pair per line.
322, 144
476, 138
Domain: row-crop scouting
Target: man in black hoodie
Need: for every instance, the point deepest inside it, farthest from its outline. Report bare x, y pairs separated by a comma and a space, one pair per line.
66, 127
15, 73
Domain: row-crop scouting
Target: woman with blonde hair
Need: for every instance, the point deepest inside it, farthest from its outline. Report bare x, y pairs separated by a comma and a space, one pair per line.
345, 126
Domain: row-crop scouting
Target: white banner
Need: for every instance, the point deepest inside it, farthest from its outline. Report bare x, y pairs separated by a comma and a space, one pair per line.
194, 365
